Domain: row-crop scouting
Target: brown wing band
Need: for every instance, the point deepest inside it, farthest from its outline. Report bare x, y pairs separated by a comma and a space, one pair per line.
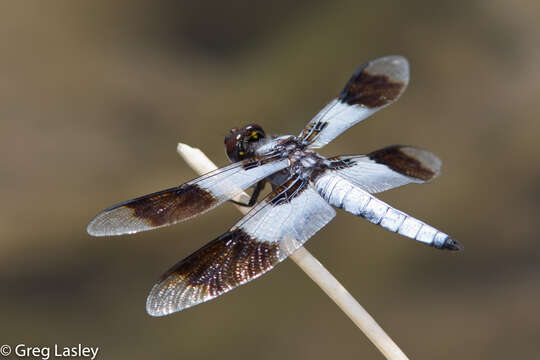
370, 90
399, 161
172, 205
230, 260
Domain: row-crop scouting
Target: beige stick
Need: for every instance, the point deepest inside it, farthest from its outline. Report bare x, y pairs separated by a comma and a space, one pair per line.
315, 270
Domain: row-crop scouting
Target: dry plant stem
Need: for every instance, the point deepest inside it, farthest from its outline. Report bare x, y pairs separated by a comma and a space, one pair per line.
318, 273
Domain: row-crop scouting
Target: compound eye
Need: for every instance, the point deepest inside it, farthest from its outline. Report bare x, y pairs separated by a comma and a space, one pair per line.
234, 146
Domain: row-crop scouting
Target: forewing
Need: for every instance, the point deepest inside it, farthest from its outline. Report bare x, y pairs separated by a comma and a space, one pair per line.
343, 194
372, 87
387, 168
183, 202
269, 233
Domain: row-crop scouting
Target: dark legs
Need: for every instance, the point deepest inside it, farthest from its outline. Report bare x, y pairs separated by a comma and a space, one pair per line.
254, 196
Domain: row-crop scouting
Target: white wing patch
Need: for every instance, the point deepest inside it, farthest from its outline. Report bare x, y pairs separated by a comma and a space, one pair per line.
371, 176
337, 117
291, 223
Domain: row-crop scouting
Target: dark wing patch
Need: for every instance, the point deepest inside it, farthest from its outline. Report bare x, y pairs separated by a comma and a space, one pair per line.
172, 205
232, 259
409, 161
371, 89
154, 210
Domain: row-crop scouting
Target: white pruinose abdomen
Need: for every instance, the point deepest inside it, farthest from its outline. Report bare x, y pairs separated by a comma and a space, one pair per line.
344, 195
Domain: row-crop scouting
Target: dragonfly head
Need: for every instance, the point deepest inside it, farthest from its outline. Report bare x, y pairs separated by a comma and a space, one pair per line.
240, 143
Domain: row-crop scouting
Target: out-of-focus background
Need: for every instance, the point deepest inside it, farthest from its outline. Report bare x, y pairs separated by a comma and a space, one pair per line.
95, 95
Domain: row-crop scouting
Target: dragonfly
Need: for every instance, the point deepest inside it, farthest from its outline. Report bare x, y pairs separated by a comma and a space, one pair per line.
306, 189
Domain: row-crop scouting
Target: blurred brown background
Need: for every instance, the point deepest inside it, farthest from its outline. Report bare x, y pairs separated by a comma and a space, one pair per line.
95, 95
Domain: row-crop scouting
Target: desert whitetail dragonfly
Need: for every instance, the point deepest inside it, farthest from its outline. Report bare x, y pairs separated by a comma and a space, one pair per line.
306, 186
